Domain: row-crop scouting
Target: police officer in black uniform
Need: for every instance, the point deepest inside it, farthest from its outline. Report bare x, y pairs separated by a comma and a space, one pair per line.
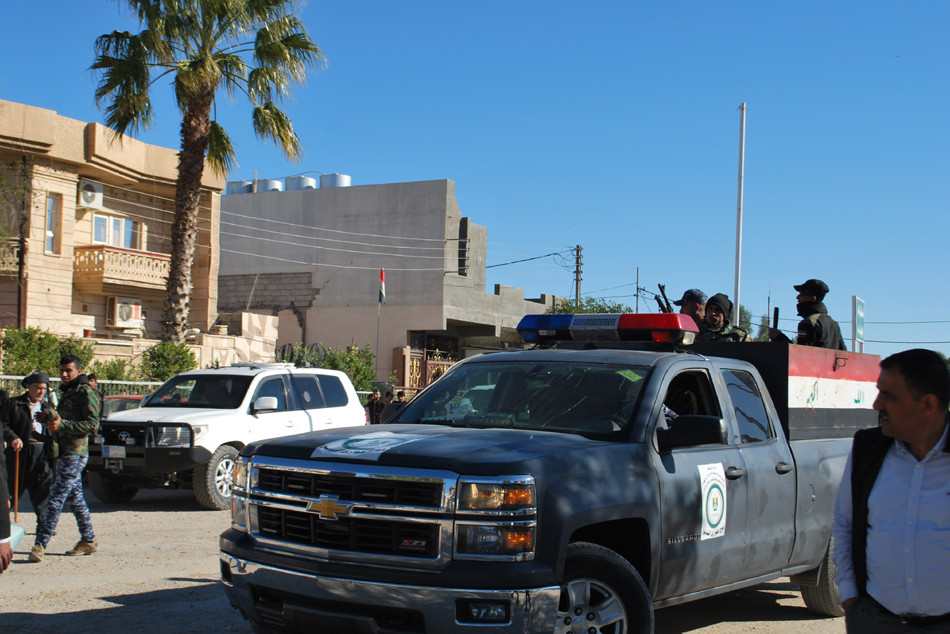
816, 328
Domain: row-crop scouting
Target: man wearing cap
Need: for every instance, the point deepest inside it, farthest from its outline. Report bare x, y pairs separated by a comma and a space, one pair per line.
78, 416
693, 304
716, 326
816, 328
34, 442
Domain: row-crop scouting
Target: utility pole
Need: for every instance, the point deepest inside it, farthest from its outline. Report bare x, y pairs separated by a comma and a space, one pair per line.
578, 258
735, 315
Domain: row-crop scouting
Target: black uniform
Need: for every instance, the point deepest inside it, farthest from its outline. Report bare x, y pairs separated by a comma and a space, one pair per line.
817, 328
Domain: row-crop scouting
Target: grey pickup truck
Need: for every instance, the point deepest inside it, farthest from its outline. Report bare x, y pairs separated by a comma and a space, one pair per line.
576, 486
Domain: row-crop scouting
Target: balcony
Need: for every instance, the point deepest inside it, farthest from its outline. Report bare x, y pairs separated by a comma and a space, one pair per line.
105, 270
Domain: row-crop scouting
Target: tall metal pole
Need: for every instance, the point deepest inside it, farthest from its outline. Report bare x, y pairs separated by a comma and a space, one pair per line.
735, 315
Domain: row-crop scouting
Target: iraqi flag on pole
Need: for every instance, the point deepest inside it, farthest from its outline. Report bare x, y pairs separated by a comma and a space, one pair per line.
382, 286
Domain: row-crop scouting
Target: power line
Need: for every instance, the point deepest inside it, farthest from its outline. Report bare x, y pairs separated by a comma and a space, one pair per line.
547, 255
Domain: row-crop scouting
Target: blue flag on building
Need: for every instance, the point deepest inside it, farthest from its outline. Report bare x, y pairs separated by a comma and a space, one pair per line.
382, 286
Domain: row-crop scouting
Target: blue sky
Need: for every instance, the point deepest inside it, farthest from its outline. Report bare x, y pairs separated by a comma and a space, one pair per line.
615, 126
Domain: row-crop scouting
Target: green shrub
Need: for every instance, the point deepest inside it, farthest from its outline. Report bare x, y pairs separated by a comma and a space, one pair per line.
113, 370
356, 363
29, 350
165, 360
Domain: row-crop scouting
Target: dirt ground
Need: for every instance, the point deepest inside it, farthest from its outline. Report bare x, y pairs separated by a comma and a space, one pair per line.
157, 571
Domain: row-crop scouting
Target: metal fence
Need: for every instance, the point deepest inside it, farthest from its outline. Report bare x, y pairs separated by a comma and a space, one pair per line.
14, 386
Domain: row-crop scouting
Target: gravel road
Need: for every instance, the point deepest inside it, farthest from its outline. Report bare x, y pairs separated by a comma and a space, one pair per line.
157, 571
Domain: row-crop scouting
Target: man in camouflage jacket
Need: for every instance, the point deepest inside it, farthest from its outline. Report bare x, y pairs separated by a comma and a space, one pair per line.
78, 416
715, 326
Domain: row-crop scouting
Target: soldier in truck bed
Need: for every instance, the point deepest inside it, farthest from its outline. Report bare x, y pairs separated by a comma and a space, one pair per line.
716, 327
816, 328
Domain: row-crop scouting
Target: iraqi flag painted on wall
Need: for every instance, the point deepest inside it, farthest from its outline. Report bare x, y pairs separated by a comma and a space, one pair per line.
382, 286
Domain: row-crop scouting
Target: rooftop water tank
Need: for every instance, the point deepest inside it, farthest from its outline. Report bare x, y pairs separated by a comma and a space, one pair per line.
334, 180
270, 185
239, 187
301, 182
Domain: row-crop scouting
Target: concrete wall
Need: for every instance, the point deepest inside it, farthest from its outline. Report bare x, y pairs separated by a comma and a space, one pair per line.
341, 237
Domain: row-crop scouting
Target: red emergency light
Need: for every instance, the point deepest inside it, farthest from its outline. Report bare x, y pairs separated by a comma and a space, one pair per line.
672, 328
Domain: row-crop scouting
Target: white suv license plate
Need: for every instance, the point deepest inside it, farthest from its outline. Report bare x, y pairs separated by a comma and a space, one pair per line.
113, 451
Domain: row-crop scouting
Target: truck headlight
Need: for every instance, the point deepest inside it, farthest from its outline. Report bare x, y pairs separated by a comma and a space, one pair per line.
239, 495
173, 436
511, 495
178, 435
514, 541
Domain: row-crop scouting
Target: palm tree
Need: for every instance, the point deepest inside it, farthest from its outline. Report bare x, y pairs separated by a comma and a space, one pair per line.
256, 47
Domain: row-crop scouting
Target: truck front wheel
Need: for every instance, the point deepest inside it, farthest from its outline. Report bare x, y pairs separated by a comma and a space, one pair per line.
602, 592
823, 598
108, 490
212, 481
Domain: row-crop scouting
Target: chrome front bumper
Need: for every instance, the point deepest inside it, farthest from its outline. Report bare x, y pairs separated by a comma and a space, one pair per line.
277, 598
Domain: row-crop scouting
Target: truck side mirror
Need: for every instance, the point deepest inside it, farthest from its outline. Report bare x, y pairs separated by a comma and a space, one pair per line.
265, 404
692, 431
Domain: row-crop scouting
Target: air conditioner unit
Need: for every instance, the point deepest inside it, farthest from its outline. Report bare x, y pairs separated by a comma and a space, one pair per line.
90, 195
122, 312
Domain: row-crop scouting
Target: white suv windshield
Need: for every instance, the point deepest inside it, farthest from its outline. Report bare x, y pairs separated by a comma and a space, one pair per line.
588, 399
212, 391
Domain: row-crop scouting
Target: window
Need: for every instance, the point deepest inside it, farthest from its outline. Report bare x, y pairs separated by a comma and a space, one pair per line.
54, 223
117, 232
750, 410
691, 393
308, 392
273, 387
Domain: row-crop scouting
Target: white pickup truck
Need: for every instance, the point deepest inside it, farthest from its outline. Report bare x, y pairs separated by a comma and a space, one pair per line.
188, 433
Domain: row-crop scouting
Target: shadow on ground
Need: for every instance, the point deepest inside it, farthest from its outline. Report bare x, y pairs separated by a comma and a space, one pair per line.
201, 607
760, 603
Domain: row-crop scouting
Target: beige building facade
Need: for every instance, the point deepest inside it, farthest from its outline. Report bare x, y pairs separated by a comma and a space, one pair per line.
312, 255
88, 233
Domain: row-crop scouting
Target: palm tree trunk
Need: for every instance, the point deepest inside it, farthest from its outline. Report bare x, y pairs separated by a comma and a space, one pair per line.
195, 125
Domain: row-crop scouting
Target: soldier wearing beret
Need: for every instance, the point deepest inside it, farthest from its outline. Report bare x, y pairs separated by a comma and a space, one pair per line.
816, 328
693, 303
716, 327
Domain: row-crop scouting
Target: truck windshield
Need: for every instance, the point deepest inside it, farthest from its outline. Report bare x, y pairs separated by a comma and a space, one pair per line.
593, 399
211, 391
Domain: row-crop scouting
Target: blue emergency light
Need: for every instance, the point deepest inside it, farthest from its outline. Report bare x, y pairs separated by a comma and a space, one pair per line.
671, 328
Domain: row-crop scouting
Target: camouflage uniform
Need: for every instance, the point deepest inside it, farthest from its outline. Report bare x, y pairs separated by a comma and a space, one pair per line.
78, 408
726, 333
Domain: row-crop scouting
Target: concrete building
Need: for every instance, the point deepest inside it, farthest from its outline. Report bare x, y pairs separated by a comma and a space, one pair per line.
85, 238
312, 255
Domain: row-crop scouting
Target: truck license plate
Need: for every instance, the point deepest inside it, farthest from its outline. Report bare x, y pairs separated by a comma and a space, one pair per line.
113, 451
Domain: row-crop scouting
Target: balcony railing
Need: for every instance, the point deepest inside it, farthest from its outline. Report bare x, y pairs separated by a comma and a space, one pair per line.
104, 269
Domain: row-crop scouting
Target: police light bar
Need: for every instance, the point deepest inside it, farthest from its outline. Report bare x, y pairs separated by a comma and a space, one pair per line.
657, 327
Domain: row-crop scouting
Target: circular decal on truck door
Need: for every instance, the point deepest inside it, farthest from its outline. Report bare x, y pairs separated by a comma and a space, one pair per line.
713, 480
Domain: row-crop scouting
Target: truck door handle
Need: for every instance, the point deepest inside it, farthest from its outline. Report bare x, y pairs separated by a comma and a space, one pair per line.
783, 467
734, 473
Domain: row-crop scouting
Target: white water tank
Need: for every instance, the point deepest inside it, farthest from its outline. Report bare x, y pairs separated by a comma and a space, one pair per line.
239, 187
301, 182
334, 180
270, 185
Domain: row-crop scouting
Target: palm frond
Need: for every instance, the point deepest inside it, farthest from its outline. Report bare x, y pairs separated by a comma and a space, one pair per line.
221, 157
271, 123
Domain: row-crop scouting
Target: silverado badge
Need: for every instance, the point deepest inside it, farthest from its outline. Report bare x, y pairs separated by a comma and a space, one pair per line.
327, 507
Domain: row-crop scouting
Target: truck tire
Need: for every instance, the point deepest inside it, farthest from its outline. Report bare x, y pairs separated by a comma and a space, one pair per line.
108, 489
824, 597
212, 481
602, 592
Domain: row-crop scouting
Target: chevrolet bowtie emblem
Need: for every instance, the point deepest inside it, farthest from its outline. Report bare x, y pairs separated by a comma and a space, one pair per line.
327, 507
